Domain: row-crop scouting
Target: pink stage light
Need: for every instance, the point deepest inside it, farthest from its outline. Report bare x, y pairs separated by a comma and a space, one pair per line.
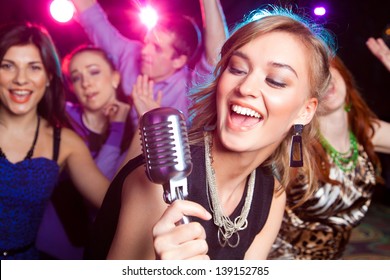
62, 10
148, 16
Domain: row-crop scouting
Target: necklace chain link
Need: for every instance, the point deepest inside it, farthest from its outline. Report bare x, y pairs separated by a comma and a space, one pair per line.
31, 151
345, 161
226, 227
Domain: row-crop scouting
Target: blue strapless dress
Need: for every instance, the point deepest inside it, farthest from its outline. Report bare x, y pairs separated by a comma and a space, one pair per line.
25, 189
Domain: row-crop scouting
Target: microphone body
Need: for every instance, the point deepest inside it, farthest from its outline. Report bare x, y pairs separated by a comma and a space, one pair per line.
167, 153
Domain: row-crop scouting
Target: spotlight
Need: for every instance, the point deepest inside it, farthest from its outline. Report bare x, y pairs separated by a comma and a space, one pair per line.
148, 16
319, 11
62, 10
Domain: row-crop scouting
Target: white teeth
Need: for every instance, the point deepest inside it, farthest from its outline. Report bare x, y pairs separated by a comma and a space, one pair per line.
245, 111
21, 92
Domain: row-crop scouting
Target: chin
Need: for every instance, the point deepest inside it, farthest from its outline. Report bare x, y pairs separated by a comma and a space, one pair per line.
232, 142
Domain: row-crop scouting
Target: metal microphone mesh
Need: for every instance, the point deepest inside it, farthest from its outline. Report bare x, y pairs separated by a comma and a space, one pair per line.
165, 145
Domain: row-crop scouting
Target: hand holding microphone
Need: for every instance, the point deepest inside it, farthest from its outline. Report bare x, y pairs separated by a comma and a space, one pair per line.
168, 162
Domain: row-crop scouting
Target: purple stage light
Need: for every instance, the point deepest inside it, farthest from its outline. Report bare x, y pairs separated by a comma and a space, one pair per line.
62, 10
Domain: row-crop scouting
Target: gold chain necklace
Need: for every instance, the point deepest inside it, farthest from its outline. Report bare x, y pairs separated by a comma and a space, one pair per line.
226, 227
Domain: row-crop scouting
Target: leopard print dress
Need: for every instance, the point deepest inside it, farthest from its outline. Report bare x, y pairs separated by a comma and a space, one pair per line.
321, 227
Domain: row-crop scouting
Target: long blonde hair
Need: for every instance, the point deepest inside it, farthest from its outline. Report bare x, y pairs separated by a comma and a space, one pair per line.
203, 110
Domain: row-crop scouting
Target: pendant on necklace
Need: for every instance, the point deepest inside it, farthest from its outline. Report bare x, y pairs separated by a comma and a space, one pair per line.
224, 240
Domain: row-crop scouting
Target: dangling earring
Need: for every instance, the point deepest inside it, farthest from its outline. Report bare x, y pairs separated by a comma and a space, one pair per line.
296, 159
347, 108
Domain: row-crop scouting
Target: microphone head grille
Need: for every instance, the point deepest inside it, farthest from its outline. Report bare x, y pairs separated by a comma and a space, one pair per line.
165, 145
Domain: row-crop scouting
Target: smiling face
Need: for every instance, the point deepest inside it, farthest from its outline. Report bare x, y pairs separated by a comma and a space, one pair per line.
263, 92
93, 80
23, 79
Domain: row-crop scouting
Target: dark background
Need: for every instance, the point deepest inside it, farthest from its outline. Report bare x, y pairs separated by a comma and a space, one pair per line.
352, 22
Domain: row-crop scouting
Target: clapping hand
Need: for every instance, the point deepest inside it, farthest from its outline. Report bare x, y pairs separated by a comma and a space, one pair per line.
142, 95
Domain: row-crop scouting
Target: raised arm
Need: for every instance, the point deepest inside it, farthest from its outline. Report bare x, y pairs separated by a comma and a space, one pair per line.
379, 48
82, 5
215, 28
381, 139
102, 33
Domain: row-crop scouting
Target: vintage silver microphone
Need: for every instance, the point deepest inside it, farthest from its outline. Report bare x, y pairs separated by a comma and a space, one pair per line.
167, 152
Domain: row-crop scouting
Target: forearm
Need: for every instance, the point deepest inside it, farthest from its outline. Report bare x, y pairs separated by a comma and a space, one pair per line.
82, 5
215, 28
103, 34
109, 158
381, 138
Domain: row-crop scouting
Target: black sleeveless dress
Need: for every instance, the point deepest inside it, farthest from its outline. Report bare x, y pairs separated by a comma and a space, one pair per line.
105, 224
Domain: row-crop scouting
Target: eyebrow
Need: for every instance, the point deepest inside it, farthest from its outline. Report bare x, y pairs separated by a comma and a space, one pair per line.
240, 54
30, 62
284, 66
272, 63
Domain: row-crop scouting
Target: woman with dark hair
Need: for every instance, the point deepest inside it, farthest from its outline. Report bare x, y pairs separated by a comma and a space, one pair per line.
318, 224
34, 145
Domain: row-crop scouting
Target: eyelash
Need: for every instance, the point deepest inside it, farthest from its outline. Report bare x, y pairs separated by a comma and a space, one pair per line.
272, 82
275, 83
6, 66
77, 77
94, 72
74, 79
235, 71
35, 67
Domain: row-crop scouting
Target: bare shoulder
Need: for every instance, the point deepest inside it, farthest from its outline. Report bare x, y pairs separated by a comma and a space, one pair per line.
138, 184
68, 135
71, 144
142, 206
71, 141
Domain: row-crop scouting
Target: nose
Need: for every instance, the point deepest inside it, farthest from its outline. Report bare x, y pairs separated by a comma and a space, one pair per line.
146, 49
20, 77
85, 82
250, 86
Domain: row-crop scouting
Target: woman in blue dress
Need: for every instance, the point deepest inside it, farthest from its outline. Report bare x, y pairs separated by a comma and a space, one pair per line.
34, 145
